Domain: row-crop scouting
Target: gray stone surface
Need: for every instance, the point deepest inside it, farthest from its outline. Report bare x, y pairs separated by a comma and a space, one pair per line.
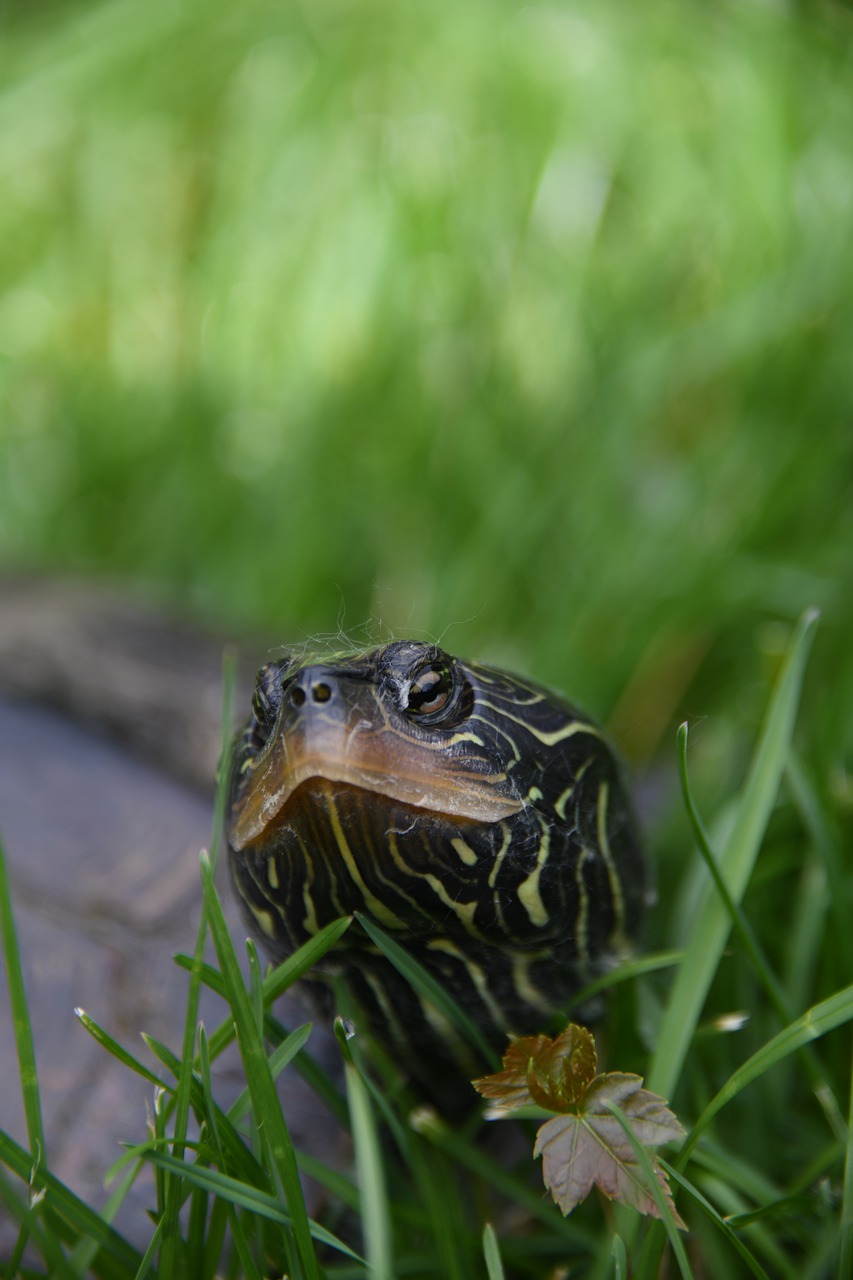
112, 660
103, 857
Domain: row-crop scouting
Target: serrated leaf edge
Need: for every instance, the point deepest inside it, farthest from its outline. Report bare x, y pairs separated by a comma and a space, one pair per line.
673, 1131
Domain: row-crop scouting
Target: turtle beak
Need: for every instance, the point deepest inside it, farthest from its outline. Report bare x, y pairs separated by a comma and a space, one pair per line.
333, 727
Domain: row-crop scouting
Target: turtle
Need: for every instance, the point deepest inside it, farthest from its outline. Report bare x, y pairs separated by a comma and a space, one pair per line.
477, 818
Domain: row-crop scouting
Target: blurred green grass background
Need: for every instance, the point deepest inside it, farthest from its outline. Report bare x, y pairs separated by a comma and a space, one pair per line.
525, 326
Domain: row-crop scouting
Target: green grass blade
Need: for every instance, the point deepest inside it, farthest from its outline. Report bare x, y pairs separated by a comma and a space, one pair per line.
712, 924
166, 1056
338, 1184
438, 1184
641, 1155
247, 1263
277, 981
112, 1046
308, 1068
795, 1204
312, 1073
197, 1221
810, 925
280, 1058
375, 1215
380, 1091
25, 1215
33, 1235
229, 677
814, 1023
22, 1030
211, 1110
160, 1138
737, 1171
492, 1253
267, 1110
84, 1251
240, 1160
256, 990
737, 918
845, 1260
309, 954
241, 1244
240, 1194
470, 1155
120, 1258
20, 1019
619, 1255
170, 1259
230, 1146
427, 987
767, 978
146, 1266
635, 968
719, 1222
745, 1197
763, 1235
826, 843
214, 1245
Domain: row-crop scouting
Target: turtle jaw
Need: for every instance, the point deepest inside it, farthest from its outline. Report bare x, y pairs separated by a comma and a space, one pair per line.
377, 760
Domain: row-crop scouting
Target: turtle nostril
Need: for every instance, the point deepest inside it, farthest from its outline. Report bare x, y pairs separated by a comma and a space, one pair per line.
314, 685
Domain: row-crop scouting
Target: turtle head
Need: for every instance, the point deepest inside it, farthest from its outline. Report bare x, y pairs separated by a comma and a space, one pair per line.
399, 722
474, 814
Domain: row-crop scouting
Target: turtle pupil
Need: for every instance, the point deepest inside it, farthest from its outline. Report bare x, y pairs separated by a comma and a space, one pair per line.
266, 701
429, 691
261, 707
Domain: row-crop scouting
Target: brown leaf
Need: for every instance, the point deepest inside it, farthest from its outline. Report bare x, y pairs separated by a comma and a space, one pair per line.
561, 1069
590, 1148
537, 1069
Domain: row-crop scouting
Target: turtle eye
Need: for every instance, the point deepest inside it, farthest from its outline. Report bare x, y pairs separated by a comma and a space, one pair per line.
260, 707
430, 691
266, 701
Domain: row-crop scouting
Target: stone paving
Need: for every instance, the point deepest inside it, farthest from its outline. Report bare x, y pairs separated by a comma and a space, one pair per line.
103, 852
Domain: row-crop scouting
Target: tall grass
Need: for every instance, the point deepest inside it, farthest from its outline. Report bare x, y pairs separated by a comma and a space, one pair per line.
525, 321
427, 1200
522, 326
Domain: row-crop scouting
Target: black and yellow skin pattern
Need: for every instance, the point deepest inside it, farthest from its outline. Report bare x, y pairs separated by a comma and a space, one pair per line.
475, 816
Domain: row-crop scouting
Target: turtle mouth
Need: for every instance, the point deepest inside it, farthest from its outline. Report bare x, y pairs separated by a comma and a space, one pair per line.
414, 774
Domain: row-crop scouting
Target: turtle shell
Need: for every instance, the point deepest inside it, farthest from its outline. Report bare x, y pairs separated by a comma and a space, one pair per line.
475, 816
